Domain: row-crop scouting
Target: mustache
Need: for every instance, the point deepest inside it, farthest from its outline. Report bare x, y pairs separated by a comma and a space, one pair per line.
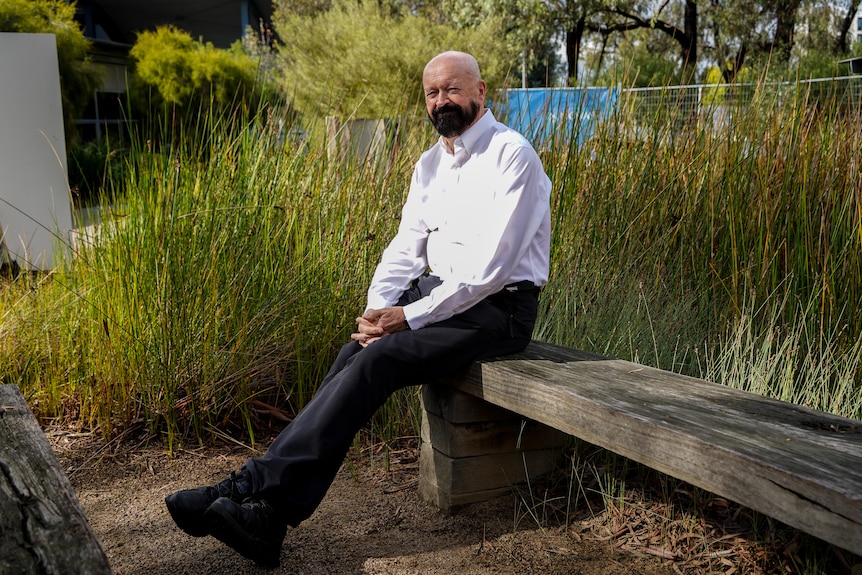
446, 109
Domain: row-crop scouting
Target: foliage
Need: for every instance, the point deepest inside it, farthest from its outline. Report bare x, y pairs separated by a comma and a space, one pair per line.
78, 78
714, 95
355, 58
235, 264
731, 35
225, 275
718, 89
171, 68
259, 45
736, 27
674, 232
785, 39
548, 69
527, 26
643, 59
93, 166
815, 63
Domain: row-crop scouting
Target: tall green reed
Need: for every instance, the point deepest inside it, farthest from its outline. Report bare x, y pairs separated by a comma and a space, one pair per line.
669, 235
232, 261
229, 267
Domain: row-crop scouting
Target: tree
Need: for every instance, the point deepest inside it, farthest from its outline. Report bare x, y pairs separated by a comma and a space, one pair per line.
729, 27
548, 68
642, 59
78, 77
361, 59
173, 69
527, 26
574, 18
574, 36
784, 39
841, 44
685, 34
785, 12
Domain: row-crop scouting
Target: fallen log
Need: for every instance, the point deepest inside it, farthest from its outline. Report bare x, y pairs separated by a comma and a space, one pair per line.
42, 526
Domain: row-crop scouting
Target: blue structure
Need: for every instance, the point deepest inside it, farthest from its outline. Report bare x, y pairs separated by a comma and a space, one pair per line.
542, 113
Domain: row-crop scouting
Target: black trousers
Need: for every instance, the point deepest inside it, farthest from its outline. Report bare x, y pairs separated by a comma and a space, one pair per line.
299, 466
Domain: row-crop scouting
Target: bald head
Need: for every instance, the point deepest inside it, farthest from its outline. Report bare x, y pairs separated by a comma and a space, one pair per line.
454, 92
462, 61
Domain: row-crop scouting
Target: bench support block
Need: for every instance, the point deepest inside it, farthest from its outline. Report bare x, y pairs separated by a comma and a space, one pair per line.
473, 451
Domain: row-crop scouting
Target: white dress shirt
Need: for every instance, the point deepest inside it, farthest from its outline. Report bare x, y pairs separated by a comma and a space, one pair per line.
479, 219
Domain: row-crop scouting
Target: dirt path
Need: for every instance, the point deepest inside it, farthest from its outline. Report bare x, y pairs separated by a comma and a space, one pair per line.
371, 522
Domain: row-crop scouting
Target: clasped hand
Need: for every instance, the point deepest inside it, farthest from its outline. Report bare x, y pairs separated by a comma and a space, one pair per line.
376, 323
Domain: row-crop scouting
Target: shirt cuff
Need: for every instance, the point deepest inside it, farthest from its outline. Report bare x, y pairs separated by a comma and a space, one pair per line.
416, 314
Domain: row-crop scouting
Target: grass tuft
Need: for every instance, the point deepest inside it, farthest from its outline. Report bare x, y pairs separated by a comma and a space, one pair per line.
232, 259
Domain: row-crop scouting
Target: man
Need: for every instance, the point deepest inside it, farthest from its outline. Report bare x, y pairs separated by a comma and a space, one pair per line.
477, 216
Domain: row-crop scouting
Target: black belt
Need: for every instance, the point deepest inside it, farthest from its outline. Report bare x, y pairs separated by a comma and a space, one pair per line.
522, 286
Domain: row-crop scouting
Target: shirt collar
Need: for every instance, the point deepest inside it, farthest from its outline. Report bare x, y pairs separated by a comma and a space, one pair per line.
469, 138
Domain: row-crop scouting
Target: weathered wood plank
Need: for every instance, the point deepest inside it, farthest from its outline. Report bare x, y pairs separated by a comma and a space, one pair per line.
42, 526
798, 465
486, 437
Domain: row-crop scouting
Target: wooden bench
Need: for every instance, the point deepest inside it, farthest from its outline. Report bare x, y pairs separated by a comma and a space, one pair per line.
42, 526
798, 465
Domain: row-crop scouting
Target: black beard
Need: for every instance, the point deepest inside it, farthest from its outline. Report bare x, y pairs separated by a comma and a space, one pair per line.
451, 120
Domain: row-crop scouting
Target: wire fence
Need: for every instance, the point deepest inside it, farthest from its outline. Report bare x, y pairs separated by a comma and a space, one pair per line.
716, 105
551, 116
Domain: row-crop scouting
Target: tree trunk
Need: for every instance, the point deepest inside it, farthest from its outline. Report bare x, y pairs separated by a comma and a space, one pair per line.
602, 53
785, 23
42, 526
573, 50
729, 72
841, 44
689, 41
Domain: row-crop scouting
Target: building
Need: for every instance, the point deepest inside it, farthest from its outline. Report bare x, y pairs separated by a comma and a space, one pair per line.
221, 22
112, 26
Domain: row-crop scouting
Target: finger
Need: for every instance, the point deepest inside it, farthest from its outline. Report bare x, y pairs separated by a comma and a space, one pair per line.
392, 324
360, 337
373, 314
370, 330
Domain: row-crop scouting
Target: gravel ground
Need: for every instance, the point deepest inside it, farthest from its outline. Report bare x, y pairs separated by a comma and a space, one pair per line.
371, 522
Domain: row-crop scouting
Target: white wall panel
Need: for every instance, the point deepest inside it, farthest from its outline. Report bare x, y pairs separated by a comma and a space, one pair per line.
35, 210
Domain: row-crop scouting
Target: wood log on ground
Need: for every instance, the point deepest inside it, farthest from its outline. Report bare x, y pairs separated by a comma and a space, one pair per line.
43, 529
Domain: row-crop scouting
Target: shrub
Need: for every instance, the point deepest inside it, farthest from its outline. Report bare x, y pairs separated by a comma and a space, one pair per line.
173, 69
